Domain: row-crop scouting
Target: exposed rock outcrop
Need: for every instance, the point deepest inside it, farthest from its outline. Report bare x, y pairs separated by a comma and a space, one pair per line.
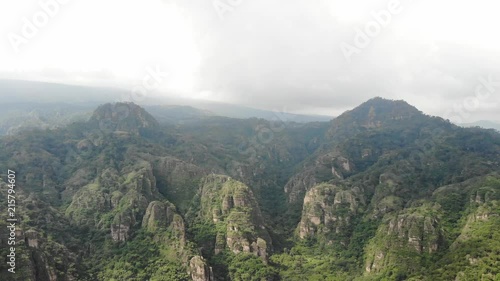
158, 215
372, 114
299, 184
163, 216
414, 230
232, 205
327, 166
328, 211
199, 269
122, 117
483, 201
176, 179
123, 195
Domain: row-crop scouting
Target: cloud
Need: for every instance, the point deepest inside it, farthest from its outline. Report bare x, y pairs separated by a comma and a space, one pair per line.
280, 54
283, 54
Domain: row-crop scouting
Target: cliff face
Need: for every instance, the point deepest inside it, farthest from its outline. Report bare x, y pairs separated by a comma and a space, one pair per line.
405, 236
118, 199
177, 180
327, 166
446, 237
232, 208
356, 141
372, 114
199, 269
122, 118
37, 256
46, 259
115, 199
163, 216
158, 215
296, 187
328, 212
479, 234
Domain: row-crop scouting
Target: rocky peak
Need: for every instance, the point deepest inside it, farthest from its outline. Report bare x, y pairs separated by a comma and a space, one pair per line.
328, 209
124, 117
122, 195
199, 269
160, 215
415, 230
231, 205
378, 108
373, 113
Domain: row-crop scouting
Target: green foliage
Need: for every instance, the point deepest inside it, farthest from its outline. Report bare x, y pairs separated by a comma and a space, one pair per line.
142, 259
204, 234
167, 271
422, 175
295, 267
247, 267
363, 232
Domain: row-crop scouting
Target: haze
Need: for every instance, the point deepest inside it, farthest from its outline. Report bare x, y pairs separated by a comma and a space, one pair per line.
442, 57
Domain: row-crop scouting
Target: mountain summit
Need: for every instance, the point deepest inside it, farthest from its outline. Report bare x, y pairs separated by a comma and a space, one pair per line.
122, 116
372, 114
376, 111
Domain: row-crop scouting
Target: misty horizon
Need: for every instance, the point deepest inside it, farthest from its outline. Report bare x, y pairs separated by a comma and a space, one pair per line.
321, 57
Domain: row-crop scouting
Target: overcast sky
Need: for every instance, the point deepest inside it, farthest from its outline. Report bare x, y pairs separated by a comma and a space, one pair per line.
302, 56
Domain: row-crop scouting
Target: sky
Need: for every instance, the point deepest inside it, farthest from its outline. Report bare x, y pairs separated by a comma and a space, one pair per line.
300, 56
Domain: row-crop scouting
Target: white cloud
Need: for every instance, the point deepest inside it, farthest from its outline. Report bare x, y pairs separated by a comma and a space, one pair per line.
267, 54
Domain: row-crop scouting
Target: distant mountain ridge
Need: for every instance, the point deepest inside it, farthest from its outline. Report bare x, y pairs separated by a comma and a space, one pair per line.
483, 124
18, 92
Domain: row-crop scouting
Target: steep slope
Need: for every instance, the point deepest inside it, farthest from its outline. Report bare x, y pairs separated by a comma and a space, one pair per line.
226, 221
328, 212
126, 117
367, 194
231, 206
98, 184
45, 242
383, 192
393, 133
257, 152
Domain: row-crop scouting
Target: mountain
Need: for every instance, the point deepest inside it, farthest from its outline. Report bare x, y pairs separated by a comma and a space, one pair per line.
176, 114
124, 117
483, 124
382, 192
17, 117
29, 108
243, 112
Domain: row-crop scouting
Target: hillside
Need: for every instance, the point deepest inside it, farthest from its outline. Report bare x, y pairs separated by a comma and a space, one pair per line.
382, 192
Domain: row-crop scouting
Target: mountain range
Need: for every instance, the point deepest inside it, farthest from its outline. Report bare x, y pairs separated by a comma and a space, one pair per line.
27, 106
381, 192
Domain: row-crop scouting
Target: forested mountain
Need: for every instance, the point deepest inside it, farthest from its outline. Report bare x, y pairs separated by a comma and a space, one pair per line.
382, 192
28, 106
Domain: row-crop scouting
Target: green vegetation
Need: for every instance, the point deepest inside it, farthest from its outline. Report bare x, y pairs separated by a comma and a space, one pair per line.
383, 192
248, 267
141, 259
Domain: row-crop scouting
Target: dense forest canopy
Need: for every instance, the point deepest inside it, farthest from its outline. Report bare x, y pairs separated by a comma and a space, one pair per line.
382, 192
